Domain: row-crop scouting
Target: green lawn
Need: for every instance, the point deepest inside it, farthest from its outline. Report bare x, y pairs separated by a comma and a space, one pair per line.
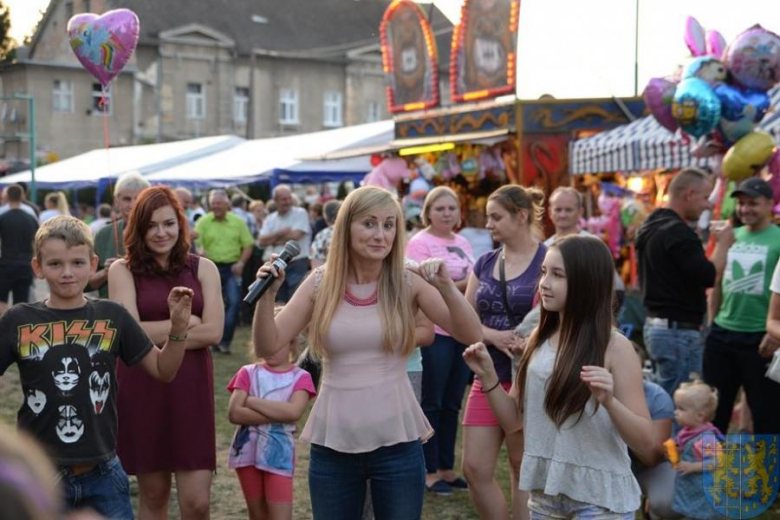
227, 502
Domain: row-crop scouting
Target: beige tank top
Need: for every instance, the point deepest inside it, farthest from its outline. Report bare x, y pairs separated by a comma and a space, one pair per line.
365, 399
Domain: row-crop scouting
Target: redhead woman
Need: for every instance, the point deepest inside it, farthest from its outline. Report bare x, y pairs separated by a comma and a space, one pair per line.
167, 429
360, 308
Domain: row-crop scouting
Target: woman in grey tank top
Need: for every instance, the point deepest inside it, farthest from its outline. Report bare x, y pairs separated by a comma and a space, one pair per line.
578, 392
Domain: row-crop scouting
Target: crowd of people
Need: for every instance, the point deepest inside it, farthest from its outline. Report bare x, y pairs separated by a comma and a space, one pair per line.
394, 327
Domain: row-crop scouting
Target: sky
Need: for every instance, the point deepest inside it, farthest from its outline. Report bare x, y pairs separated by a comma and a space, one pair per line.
581, 48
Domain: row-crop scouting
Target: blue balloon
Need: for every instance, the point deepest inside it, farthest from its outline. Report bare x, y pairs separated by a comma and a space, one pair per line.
696, 108
740, 110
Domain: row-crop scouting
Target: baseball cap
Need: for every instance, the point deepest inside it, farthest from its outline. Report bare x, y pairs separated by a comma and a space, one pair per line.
753, 187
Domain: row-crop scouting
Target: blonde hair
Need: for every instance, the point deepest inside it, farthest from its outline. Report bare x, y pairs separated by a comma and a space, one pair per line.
59, 201
28, 480
514, 199
64, 227
393, 292
702, 397
431, 198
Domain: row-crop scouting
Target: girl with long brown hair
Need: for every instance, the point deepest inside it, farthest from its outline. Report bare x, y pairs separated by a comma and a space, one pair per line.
578, 392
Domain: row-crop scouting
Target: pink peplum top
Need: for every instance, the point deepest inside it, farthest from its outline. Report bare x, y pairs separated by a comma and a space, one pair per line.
365, 399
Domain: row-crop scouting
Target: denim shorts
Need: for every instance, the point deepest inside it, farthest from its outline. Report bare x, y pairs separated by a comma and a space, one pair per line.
105, 489
545, 507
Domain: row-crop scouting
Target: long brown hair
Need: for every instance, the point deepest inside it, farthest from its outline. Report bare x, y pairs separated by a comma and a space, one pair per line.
140, 259
584, 331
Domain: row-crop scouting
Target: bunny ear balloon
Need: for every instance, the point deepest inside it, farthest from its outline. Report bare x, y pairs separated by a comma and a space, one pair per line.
103, 44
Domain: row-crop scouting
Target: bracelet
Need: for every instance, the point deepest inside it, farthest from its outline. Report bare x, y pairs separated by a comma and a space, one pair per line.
174, 337
491, 388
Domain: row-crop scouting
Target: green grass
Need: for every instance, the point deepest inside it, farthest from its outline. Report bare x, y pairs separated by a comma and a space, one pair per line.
227, 501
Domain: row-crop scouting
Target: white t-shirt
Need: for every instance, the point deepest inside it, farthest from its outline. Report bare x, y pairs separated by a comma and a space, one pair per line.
774, 285
296, 219
24, 207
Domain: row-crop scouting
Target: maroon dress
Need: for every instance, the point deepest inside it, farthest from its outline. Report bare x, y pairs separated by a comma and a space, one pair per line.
167, 426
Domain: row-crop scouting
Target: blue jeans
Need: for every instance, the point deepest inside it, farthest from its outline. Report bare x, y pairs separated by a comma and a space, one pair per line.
294, 274
105, 489
676, 353
337, 482
231, 295
445, 376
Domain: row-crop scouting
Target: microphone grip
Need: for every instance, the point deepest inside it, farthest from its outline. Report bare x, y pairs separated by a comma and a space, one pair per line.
261, 285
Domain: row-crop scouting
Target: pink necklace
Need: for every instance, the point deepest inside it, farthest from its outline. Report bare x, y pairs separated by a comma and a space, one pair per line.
361, 302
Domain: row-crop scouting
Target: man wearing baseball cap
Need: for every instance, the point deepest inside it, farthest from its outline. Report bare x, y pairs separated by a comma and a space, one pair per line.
738, 349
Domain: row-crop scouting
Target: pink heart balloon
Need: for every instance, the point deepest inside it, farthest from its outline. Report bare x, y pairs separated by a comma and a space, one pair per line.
103, 44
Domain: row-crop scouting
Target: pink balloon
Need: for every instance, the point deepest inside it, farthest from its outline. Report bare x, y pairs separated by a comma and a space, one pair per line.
753, 58
103, 44
694, 37
716, 44
659, 94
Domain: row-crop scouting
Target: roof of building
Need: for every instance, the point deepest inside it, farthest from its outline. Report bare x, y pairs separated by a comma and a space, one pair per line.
322, 28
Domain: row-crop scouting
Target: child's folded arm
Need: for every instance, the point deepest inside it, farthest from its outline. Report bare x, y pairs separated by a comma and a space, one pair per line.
240, 414
281, 411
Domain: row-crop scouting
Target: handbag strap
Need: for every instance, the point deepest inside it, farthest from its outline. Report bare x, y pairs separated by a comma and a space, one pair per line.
502, 279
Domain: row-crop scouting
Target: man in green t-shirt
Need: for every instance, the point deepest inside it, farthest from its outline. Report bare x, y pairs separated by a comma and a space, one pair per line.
733, 352
224, 238
109, 240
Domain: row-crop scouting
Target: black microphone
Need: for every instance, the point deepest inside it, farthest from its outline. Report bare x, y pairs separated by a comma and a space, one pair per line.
259, 286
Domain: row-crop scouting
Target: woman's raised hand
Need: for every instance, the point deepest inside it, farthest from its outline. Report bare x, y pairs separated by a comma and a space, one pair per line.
180, 308
600, 382
477, 358
435, 273
269, 269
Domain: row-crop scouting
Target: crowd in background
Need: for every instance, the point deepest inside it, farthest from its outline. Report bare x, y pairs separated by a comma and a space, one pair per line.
413, 313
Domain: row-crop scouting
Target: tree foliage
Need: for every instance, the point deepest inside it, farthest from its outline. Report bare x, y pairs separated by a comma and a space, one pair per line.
7, 44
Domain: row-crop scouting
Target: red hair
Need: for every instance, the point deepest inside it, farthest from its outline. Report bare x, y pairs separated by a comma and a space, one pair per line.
139, 258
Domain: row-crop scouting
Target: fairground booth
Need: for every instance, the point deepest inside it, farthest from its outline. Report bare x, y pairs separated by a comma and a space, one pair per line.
484, 137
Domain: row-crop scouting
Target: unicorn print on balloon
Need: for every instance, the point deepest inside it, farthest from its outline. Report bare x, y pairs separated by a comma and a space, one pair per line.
96, 44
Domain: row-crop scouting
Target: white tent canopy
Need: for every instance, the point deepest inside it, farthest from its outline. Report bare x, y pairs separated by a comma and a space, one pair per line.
88, 169
645, 145
261, 159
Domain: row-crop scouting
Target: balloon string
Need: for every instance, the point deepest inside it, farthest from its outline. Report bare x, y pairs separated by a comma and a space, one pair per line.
105, 108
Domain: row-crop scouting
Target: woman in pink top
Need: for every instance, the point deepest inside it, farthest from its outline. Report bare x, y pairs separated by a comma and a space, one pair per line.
445, 374
360, 307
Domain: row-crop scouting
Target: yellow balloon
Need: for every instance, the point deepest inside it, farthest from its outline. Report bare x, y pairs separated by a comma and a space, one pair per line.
748, 156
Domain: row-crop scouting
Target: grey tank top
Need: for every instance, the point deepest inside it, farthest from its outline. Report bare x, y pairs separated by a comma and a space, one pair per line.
587, 461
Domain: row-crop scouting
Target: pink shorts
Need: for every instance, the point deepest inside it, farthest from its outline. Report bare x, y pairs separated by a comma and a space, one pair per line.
257, 484
478, 411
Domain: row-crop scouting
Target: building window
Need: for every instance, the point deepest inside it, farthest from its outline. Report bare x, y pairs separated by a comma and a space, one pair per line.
374, 112
241, 104
331, 109
62, 96
68, 10
196, 101
288, 106
87, 6
99, 105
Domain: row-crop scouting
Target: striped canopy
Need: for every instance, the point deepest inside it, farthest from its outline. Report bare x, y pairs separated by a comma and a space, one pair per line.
645, 145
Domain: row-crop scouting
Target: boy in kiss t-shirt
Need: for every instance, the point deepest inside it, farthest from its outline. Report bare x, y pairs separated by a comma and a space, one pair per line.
66, 348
